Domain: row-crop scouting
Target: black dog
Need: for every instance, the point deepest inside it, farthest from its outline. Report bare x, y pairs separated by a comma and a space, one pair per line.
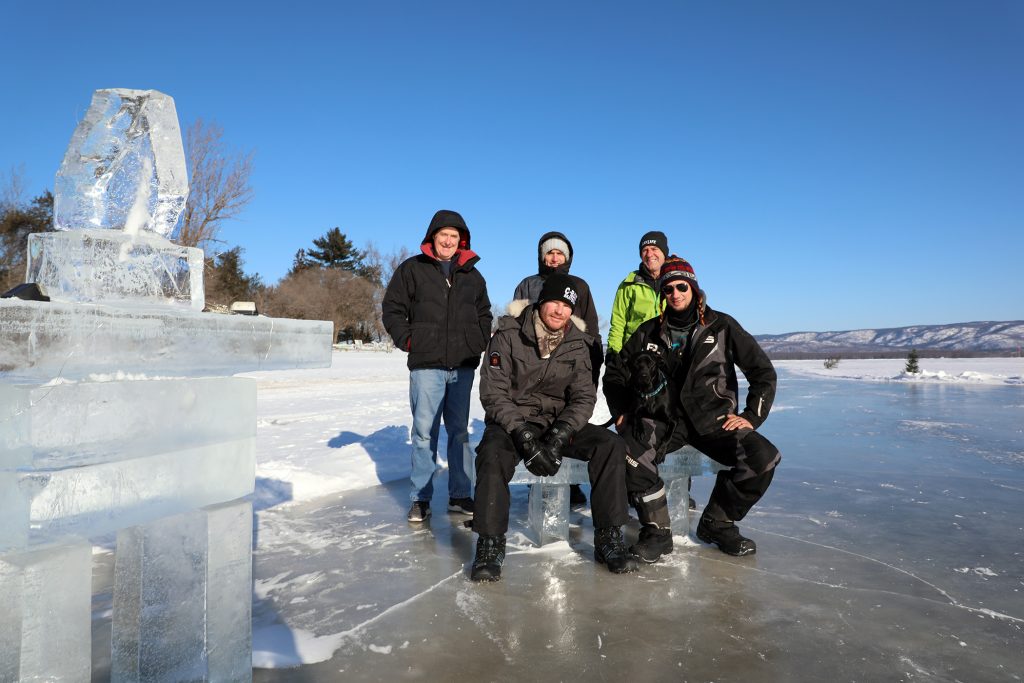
653, 396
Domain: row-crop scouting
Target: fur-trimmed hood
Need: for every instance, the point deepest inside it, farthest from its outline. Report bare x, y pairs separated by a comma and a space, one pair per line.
516, 308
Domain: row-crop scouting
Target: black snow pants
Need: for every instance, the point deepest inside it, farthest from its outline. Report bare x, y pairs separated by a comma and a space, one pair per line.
751, 457
496, 460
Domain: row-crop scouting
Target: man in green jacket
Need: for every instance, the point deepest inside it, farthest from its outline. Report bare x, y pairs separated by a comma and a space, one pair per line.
636, 299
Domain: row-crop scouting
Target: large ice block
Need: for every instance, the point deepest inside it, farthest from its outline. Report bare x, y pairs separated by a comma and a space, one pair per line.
548, 513
125, 165
548, 506
43, 340
182, 598
99, 498
229, 591
105, 266
53, 426
44, 613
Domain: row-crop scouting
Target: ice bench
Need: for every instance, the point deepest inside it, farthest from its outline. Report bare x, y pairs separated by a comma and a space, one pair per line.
548, 514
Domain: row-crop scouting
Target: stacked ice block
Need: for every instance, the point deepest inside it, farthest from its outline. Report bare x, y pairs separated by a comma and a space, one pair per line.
118, 414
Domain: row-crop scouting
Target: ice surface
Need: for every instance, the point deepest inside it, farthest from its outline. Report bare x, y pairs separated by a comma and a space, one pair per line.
182, 601
125, 165
43, 340
111, 267
44, 613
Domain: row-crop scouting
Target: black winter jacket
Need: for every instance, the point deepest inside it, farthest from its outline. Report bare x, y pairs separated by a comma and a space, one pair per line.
518, 386
442, 323
706, 387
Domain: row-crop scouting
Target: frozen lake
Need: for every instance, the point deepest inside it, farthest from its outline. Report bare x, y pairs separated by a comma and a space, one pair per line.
889, 546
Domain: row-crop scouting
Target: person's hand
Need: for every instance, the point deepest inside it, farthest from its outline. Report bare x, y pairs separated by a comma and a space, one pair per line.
557, 439
535, 455
526, 439
733, 422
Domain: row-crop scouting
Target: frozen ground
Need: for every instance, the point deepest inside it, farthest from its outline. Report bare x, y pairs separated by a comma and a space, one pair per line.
891, 545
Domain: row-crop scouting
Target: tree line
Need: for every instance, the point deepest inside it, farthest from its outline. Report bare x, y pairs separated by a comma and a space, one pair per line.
330, 280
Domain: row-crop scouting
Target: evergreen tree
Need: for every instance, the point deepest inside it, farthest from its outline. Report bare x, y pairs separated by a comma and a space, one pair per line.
227, 282
912, 366
333, 250
17, 222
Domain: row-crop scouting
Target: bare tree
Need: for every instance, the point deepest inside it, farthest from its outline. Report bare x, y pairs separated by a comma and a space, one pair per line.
12, 187
218, 184
340, 296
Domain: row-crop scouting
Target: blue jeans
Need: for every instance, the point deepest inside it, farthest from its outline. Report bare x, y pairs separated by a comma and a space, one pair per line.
434, 394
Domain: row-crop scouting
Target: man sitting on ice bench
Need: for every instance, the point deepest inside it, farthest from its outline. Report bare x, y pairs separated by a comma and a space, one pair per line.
697, 350
538, 393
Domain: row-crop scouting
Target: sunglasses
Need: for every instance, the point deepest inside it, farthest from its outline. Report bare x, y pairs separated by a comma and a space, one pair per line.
682, 288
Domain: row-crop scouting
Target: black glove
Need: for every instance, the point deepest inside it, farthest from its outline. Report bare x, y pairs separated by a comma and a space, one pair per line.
536, 456
557, 439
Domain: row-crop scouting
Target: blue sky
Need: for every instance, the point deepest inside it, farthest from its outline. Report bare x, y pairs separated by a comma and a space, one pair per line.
823, 165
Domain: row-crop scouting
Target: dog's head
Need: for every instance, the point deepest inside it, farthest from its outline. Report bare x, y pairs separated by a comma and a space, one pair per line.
646, 371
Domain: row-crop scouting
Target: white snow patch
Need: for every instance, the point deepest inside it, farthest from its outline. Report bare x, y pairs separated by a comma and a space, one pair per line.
279, 646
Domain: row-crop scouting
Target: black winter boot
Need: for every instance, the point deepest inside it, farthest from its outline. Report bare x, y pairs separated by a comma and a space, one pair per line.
490, 553
652, 544
726, 535
610, 550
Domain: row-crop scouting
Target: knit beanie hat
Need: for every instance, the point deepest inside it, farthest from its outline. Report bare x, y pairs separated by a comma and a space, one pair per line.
654, 238
559, 287
555, 243
676, 268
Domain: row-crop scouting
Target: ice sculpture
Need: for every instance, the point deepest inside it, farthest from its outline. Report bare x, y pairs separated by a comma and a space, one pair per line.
119, 193
125, 166
118, 414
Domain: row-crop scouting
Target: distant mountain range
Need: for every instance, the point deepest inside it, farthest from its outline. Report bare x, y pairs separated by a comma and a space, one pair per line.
957, 339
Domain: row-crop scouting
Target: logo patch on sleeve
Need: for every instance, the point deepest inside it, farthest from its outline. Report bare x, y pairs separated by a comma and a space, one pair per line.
494, 360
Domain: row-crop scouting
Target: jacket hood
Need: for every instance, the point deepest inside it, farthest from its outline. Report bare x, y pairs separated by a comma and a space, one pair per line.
545, 270
448, 219
517, 307
461, 258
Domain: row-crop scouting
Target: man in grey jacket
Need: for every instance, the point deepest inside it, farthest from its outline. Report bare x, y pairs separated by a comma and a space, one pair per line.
538, 395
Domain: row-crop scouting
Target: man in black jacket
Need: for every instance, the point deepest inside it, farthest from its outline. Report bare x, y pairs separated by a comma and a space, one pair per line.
436, 309
699, 348
538, 395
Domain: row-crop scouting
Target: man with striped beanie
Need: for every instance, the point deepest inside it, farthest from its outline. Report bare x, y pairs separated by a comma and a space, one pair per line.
700, 349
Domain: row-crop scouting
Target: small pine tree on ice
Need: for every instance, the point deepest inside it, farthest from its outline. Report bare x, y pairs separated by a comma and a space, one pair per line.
912, 366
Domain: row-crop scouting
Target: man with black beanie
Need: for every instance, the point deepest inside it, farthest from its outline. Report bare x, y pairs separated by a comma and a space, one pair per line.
538, 396
554, 256
700, 349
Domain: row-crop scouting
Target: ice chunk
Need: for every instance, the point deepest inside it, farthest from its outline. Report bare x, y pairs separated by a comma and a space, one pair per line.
71, 424
44, 621
182, 597
125, 165
40, 341
104, 266
229, 591
98, 498
548, 512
